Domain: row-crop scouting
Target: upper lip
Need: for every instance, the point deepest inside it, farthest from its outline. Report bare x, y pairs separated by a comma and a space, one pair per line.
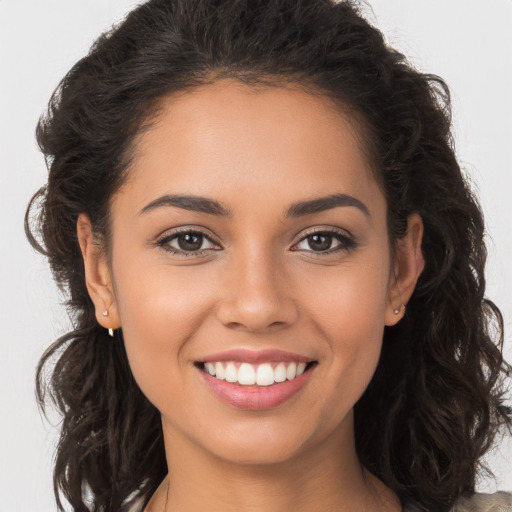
256, 357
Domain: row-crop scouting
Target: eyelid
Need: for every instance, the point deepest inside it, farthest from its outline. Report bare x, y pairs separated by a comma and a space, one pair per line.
186, 228
164, 238
325, 229
345, 237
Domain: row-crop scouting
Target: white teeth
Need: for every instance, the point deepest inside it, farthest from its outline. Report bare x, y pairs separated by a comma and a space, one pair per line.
219, 371
247, 374
231, 373
280, 373
291, 371
264, 375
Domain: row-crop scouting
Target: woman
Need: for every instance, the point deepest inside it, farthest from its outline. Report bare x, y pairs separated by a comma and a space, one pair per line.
275, 269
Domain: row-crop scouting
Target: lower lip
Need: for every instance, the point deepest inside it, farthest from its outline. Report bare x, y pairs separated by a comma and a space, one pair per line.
256, 397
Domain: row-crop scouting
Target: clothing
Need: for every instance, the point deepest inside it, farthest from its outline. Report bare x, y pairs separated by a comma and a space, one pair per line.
497, 502
480, 502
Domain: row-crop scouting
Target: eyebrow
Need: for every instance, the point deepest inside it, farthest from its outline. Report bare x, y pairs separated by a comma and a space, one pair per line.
212, 207
192, 203
325, 203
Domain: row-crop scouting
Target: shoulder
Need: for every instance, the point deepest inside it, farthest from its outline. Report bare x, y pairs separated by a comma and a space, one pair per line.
480, 502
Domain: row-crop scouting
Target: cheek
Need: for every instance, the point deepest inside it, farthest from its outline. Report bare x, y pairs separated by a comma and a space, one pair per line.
349, 301
157, 302
348, 312
160, 312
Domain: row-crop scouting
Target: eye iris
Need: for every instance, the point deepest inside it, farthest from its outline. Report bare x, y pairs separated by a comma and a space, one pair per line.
320, 242
190, 242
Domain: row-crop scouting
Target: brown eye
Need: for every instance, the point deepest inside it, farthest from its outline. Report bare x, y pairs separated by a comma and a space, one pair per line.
325, 242
320, 242
187, 243
190, 241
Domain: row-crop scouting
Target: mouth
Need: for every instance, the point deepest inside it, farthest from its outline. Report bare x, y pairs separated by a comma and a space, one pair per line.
249, 380
264, 374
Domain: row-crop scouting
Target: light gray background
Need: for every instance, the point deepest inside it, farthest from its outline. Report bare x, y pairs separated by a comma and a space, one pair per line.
467, 42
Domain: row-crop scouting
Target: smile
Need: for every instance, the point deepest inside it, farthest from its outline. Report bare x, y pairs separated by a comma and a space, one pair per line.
255, 380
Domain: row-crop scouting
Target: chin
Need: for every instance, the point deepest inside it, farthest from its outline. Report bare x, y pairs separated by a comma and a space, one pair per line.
265, 442
256, 454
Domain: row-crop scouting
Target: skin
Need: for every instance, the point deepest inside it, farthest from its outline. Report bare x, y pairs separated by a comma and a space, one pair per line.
259, 284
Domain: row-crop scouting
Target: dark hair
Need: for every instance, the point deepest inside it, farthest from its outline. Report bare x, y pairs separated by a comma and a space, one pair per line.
436, 399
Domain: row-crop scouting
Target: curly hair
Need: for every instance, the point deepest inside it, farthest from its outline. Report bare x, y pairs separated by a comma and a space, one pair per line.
436, 401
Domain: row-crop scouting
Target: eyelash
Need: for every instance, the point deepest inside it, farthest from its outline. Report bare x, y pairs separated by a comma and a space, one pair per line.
347, 242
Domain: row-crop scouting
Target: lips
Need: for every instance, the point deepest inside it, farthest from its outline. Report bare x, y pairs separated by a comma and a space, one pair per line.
255, 379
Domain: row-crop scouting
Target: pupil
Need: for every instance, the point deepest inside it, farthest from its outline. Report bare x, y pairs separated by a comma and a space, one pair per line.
190, 242
320, 242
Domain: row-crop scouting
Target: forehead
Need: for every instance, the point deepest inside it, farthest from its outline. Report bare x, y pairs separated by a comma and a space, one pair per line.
231, 137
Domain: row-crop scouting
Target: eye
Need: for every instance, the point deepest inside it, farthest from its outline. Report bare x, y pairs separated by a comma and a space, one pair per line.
325, 241
187, 243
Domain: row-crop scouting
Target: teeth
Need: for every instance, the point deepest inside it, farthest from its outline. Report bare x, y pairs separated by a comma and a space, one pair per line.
246, 374
219, 371
264, 375
231, 373
280, 373
291, 371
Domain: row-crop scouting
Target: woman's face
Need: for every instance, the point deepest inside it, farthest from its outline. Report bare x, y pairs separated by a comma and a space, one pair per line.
251, 233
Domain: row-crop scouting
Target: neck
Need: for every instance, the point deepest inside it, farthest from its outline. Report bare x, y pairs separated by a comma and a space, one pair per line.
327, 477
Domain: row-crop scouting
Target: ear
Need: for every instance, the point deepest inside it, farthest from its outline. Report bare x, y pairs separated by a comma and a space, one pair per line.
97, 275
408, 265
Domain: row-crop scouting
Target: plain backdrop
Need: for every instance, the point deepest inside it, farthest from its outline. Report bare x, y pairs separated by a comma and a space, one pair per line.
467, 42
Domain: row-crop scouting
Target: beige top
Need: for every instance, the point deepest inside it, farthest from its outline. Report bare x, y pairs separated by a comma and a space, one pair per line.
480, 502
497, 502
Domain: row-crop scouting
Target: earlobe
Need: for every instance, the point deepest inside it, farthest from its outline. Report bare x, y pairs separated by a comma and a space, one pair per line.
408, 266
97, 275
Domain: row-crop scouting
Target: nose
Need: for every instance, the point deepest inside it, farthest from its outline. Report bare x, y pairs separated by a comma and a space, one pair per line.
257, 295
